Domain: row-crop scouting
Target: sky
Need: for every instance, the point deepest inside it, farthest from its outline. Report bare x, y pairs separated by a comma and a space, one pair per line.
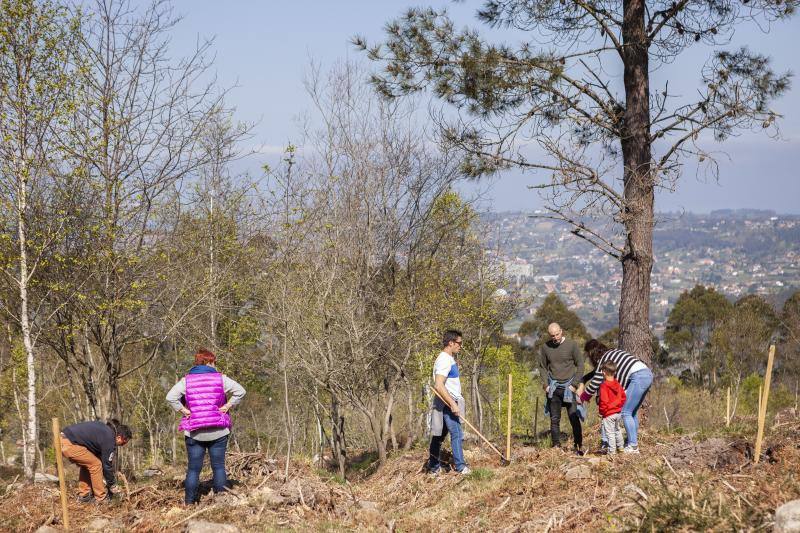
263, 49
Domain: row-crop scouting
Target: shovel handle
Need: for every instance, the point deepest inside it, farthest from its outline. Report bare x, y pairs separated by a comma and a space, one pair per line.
473, 428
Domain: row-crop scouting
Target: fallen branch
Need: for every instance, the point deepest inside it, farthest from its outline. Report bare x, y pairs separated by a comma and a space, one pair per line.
201, 511
737, 492
127, 487
669, 465
502, 505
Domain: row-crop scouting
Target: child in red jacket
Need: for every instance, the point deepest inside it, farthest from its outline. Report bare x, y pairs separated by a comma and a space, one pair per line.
611, 399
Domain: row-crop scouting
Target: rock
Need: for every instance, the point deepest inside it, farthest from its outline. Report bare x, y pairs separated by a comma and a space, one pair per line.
173, 512
366, 505
324, 459
229, 499
201, 526
41, 477
46, 529
100, 525
291, 493
787, 518
470, 455
368, 513
528, 451
152, 472
13, 486
267, 496
579, 472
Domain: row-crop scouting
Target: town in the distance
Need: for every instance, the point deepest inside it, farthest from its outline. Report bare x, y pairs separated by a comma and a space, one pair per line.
738, 252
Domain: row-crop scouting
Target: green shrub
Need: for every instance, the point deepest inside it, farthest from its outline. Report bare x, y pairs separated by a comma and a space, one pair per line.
480, 474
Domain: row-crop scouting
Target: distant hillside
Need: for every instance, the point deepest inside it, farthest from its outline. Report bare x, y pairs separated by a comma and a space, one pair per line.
738, 251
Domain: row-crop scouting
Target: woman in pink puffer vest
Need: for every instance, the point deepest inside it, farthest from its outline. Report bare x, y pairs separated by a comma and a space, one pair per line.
202, 397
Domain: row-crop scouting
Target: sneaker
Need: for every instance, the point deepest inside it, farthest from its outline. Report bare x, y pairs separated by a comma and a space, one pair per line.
85, 498
465, 471
108, 500
578, 451
434, 473
630, 449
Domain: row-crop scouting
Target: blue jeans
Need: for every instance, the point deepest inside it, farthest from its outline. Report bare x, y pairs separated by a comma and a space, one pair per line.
638, 385
452, 425
196, 453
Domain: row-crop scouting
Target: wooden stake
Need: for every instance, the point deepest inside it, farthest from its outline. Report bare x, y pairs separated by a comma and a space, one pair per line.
536, 420
508, 425
760, 397
762, 415
728, 409
62, 485
124, 479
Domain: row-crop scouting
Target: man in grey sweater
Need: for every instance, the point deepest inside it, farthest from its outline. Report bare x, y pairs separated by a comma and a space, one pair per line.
560, 369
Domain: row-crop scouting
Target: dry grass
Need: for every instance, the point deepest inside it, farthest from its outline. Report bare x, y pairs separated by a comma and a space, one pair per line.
678, 483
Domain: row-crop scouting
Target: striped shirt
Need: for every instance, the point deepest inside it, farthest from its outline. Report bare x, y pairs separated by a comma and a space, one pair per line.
626, 363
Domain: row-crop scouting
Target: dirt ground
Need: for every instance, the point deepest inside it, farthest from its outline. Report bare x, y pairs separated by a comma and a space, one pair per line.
678, 483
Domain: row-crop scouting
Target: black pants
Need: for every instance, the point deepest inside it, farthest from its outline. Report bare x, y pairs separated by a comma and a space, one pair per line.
555, 405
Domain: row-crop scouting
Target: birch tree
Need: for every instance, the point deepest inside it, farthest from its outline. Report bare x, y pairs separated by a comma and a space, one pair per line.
37, 43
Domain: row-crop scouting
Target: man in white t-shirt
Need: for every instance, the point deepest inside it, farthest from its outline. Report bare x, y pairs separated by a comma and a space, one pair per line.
445, 415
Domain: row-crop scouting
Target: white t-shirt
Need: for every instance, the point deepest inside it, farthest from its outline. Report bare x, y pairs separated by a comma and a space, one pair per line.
445, 365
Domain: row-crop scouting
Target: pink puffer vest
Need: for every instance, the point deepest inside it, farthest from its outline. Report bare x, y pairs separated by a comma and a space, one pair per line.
204, 396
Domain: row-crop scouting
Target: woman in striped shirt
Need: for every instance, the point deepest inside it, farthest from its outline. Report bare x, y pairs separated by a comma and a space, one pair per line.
635, 378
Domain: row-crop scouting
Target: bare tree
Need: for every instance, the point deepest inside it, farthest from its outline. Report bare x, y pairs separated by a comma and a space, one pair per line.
136, 134
365, 237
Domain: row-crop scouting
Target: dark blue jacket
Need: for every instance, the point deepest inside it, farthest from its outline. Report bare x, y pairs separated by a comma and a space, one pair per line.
99, 439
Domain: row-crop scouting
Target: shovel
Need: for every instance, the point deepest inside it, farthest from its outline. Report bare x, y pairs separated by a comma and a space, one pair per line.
505, 461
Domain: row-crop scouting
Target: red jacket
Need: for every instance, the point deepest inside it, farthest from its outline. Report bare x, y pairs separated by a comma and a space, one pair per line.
612, 398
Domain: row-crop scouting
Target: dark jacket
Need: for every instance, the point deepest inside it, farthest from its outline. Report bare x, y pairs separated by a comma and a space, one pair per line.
99, 439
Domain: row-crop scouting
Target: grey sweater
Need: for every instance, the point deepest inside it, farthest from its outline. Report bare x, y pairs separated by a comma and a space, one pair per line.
560, 361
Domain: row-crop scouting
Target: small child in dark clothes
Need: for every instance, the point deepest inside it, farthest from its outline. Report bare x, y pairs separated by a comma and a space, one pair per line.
611, 399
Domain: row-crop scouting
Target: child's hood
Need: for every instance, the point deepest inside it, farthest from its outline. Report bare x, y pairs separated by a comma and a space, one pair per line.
614, 386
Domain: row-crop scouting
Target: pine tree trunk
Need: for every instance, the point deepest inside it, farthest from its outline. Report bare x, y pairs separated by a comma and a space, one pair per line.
31, 441
637, 260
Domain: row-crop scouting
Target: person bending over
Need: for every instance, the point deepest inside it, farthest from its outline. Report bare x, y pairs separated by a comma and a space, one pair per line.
634, 376
92, 446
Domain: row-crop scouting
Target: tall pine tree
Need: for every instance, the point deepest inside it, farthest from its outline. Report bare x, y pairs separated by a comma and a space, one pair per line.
604, 146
